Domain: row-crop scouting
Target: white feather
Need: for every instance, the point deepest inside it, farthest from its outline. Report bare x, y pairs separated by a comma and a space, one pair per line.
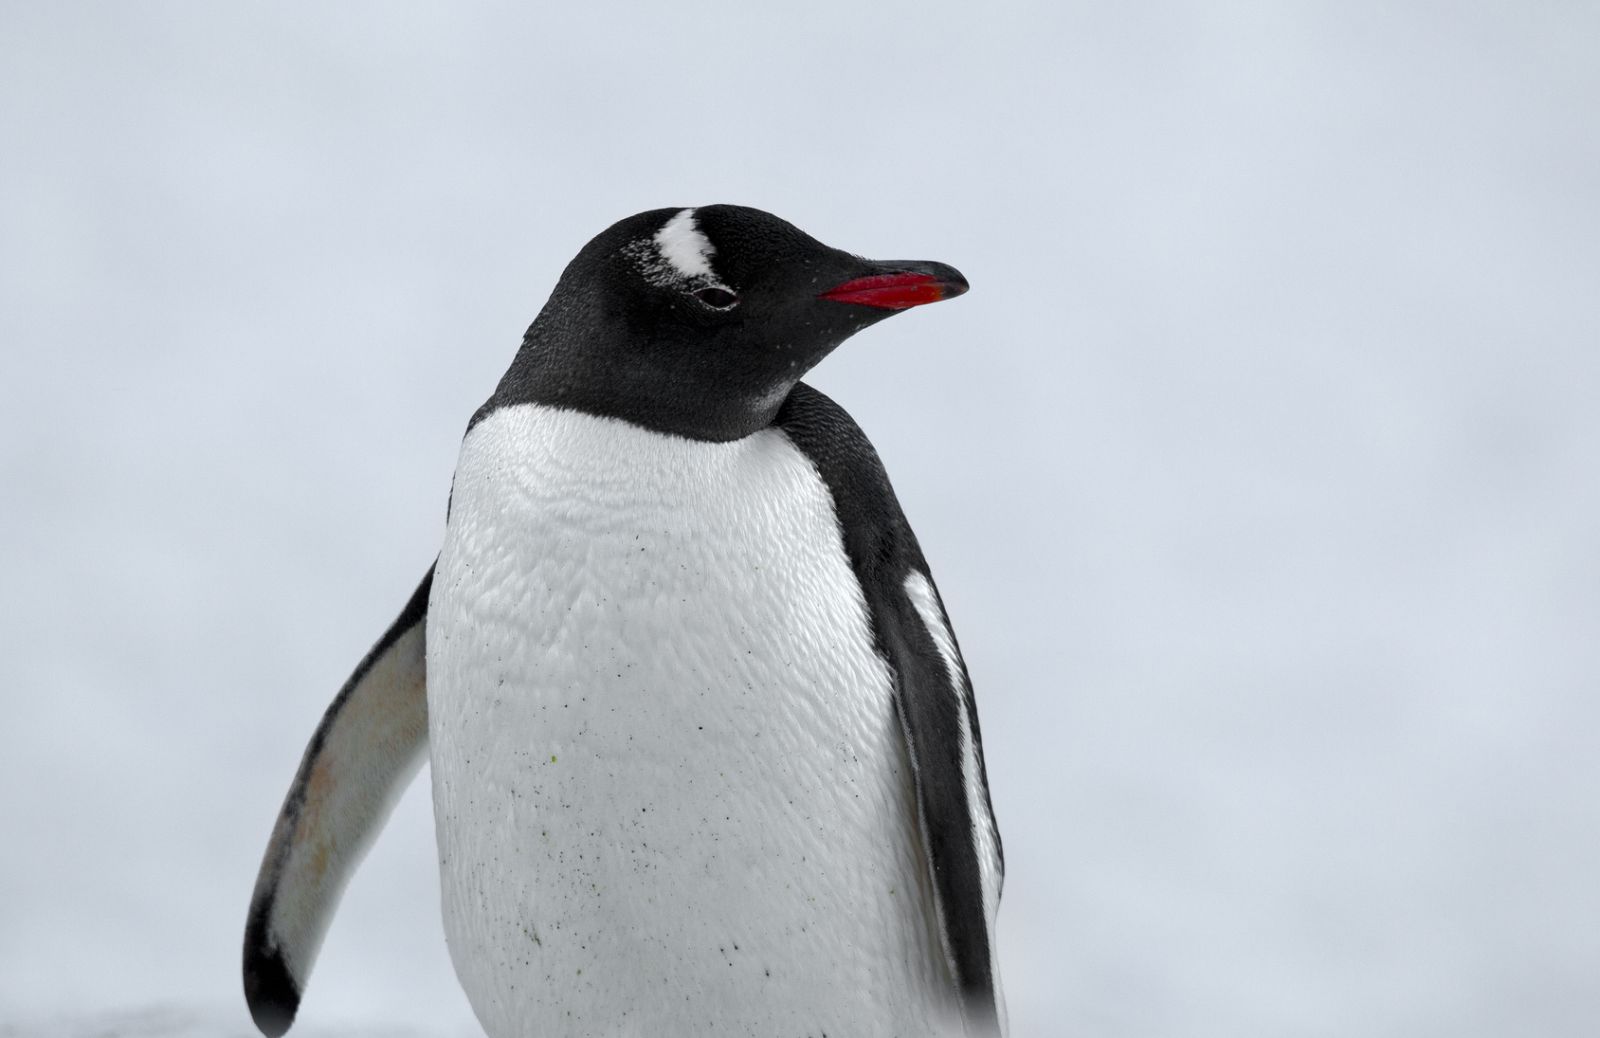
684, 247
671, 792
370, 751
926, 602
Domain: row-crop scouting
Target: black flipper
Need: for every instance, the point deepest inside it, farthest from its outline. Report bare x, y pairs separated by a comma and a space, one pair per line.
365, 752
932, 693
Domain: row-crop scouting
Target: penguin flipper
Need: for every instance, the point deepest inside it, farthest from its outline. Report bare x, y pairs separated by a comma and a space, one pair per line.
933, 696
364, 753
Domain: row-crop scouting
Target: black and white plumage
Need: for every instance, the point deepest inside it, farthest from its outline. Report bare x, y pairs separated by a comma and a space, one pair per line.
705, 752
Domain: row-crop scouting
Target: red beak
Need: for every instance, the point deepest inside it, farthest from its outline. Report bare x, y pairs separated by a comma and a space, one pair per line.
900, 290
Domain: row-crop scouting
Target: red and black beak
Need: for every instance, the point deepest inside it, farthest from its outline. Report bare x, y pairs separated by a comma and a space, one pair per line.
897, 285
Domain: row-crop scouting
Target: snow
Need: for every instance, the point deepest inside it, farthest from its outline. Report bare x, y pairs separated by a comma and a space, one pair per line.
175, 1022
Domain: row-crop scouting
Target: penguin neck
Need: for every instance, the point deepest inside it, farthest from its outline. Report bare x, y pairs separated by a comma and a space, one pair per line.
685, 401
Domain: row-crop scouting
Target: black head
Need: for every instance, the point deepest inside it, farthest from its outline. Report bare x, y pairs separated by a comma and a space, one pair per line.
699, 322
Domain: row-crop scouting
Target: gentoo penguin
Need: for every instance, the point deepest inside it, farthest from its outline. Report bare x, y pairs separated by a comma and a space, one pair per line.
704, 751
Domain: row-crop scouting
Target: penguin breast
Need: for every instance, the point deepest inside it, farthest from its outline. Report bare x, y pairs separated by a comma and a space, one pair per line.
670, 788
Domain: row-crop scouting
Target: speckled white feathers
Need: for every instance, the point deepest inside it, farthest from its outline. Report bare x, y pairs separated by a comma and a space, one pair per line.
684, 247
678, 254
671, 792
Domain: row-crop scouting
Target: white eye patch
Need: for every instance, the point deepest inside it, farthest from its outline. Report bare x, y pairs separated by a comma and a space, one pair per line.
683, 247
679, 253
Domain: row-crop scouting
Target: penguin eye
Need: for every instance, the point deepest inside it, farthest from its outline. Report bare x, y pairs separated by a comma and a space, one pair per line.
717, 298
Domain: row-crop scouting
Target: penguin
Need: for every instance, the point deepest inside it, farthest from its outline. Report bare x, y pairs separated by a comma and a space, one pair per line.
704, 751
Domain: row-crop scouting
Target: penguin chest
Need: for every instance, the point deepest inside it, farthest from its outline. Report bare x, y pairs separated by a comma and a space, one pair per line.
669, 783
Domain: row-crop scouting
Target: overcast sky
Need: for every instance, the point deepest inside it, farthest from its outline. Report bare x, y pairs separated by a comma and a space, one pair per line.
1258, 469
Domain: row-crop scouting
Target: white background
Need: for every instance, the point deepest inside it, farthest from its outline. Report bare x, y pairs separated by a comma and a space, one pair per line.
1259, 468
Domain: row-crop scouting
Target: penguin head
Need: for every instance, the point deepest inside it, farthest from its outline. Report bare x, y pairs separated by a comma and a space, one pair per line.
699, 322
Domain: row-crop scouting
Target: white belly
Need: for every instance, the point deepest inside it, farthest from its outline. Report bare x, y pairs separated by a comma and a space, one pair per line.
670, 789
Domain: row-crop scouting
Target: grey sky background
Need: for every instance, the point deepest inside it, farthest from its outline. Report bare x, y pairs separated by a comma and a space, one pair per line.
1258, 469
